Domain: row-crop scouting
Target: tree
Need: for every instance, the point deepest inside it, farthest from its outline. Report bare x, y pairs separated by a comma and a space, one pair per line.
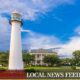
66, 61
4, 58
27, 58
51, 60
76, 58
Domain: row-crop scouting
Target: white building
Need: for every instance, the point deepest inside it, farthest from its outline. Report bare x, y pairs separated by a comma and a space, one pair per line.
39, 55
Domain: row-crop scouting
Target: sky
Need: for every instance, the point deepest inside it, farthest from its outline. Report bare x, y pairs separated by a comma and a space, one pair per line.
46, 24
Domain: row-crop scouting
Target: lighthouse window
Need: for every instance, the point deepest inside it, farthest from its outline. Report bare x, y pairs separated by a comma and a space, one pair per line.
15, 18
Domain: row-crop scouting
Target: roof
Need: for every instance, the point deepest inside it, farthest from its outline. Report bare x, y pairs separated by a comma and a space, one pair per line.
15, 11
42, 51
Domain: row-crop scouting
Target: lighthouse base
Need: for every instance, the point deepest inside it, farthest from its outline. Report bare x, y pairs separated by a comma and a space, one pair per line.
12, 74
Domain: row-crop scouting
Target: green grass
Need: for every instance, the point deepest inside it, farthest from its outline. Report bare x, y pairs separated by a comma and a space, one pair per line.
36, 67
42, 68
3, 68
50, 68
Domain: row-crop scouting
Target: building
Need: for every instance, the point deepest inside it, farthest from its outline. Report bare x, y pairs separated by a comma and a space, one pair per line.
39, 55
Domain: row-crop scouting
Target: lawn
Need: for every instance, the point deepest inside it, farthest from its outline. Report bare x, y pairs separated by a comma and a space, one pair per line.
50, 68
43, 68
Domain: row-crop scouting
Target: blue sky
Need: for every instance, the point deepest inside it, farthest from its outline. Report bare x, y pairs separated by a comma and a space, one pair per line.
46, 24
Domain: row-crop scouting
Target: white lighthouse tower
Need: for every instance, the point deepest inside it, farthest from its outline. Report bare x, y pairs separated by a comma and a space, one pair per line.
15, 56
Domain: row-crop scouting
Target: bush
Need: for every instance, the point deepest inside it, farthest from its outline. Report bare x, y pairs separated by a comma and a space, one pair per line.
2, 68
30, 70
73, 67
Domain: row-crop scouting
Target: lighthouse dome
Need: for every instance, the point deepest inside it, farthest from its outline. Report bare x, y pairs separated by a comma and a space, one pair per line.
16, 16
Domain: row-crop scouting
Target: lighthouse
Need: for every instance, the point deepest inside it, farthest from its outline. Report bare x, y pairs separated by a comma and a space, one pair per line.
15, 55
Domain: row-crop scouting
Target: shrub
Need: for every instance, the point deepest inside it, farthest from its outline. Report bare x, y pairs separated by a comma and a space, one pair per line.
73, 67
30, 70
2, 68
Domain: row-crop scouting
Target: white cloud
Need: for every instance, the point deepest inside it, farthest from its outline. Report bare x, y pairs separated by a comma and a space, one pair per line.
77, 30
37, 40
72, 44
4, 33
28, 31
69, 47
31, 9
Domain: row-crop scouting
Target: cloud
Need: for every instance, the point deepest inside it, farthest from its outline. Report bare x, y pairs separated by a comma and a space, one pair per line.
28, 31
31, 9
69, 47
36, 40
57, 18
77, 30
72, 44
4, 34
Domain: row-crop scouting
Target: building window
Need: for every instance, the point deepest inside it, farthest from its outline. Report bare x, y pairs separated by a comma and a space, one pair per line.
38, 62
38, 55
